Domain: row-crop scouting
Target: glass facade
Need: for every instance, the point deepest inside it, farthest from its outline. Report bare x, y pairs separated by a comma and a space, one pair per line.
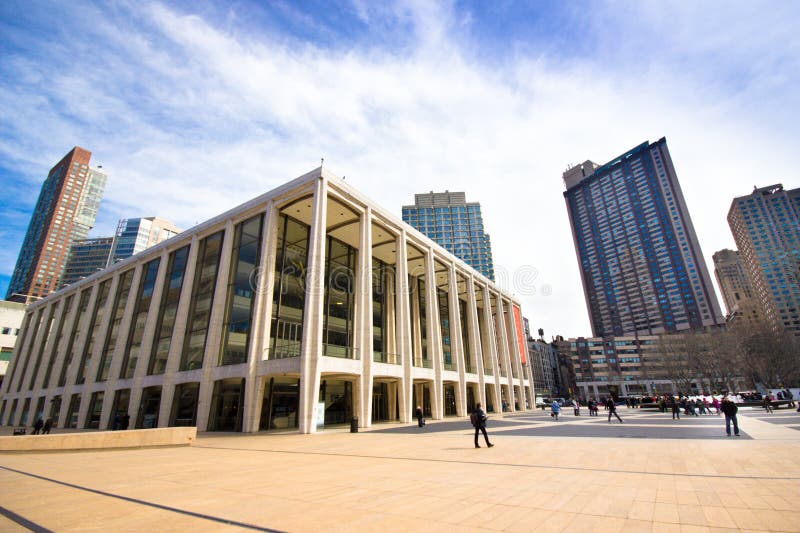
241, 291
29, 350
288, 300
170, 297
444, 321
133, 346
120, 300
95, 408
40, 352
205, 280
337, 336
640, 261
148, 408
119, 409
73, 341
281, 404
66, 312
226, 405
184, 405
94, 327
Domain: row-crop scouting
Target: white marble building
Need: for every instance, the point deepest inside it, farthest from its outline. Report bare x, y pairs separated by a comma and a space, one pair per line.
302, 308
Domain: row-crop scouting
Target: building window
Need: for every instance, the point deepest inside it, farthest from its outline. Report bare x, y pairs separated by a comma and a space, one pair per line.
205, 280
288, 300
145, 295
121, 299
239, 307
170, 298
337, 336
94, 326
72, 345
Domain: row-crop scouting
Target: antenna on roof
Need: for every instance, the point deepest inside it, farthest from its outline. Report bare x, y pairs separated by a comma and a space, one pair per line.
321, 161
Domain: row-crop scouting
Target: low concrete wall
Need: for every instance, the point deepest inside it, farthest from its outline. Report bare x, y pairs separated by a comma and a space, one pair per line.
101, 440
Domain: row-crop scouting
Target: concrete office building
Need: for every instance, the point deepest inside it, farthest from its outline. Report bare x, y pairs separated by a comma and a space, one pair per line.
455, 224
641, 265
302, 308
11, 314
86, 256
65, 212
737, 293
766, 227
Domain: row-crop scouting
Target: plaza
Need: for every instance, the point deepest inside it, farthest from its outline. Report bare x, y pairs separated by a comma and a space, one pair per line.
578, 474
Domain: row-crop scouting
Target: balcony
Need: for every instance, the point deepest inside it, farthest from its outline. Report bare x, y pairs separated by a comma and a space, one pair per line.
423, 363
383, 357
342, 352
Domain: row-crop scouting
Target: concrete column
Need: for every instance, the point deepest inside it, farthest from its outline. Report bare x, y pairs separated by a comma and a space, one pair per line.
456, 342
516, 357
213, 332
403, 338
363, 315
492, 343
474, 338
504, 356
434, 331
260, 320
312, 315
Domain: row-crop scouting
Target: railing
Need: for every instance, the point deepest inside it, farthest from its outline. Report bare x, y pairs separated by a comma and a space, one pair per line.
383, 357
287, 342
342, 352
423, 363
487, 369
468, 368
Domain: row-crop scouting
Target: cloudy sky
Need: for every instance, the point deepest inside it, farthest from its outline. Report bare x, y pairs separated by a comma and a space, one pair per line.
195, 107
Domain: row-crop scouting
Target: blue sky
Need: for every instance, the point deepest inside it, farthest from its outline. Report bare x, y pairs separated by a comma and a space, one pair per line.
195, 107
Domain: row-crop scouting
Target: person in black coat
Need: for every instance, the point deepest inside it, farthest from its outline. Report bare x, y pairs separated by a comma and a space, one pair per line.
729, 409
47, 425
418, 415
478, 419
612, 409
37, 426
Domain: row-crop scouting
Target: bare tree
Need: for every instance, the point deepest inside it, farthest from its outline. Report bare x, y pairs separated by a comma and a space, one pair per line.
722, 362
772, 359
680, 365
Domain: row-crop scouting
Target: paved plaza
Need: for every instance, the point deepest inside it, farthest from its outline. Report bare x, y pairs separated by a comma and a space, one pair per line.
578, 474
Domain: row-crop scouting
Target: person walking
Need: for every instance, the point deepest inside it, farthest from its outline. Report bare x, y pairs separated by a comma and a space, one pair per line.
419, 416
38, 425
676, 409
576, 405
730, 410
555, 408
716, 405
612, 409
47, 425
768, 403
478, 419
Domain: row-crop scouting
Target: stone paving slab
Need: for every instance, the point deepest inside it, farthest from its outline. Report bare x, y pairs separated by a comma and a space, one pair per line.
431, 481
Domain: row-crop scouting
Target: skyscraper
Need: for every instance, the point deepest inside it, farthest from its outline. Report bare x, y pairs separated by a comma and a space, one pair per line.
642, 268
766, 228
455, 224
135, 235
65, 211
737, 293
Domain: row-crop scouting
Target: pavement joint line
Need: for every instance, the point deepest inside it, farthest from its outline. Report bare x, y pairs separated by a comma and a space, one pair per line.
127, 499
518, 465
24, 522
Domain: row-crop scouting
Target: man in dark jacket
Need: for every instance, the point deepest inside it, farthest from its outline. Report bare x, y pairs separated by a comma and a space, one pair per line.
419, 416
479, 421
730, 410
611, 405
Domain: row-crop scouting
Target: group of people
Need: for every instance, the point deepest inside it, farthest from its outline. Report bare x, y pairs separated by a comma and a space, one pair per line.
690, 407
609, 404
42, 427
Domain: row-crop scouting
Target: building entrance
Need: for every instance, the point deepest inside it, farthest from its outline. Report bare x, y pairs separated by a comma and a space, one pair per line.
226, 405
280, 405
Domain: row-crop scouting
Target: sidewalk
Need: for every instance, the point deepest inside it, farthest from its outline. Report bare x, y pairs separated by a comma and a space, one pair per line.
433, 481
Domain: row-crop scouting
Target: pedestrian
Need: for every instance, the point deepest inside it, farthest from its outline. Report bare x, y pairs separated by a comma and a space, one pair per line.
576, 405
47, 425
555, 408
37, 426
126, 420
716, 405
676, 409
768, 403
478, 419
789, 396
730, 410
419, 416
612, 409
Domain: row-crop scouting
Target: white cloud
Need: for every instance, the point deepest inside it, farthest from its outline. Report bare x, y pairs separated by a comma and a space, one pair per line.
190, 119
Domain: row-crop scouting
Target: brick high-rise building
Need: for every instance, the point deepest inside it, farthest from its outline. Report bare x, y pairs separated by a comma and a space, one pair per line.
642, 268
65, 211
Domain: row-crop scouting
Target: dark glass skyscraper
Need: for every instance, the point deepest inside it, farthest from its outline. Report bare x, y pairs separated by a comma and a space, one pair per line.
65, 212
766, 228
642, 268
456, 225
